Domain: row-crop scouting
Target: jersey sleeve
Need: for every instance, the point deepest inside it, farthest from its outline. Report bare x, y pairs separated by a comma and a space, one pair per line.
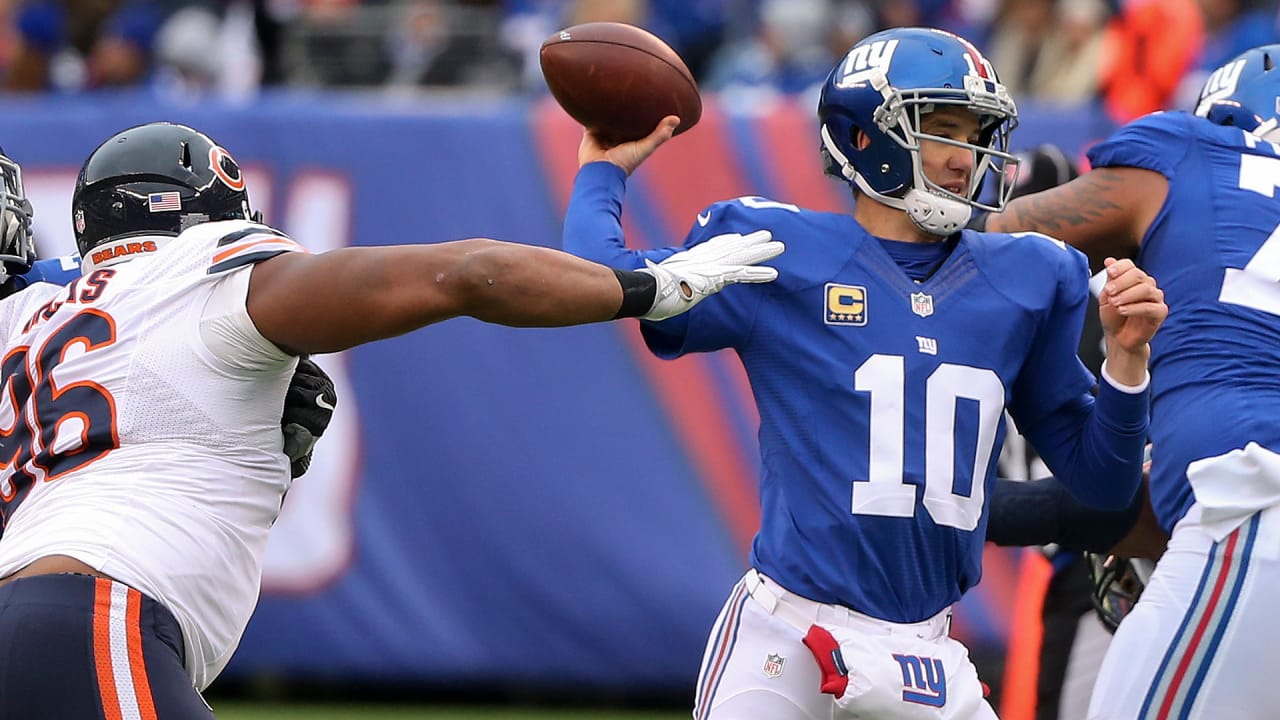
593, 220
1093, 447
249, 245
1053, 374
593, 230
1156, 142
724, 320
59, 270
229, 333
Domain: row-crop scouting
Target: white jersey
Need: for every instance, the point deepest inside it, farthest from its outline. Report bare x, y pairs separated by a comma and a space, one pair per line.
140, 423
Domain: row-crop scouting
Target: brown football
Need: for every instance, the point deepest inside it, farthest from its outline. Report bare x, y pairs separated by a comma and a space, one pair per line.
619, 80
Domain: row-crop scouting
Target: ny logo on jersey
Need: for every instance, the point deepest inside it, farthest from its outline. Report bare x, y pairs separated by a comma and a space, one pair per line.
865, 61
923, 680
1220, 84
846, 305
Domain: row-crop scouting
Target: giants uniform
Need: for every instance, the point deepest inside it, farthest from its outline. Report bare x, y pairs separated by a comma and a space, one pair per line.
881, 419
162, 444
1204, 630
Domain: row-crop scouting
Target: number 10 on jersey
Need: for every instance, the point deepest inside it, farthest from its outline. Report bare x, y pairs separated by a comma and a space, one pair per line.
885, 492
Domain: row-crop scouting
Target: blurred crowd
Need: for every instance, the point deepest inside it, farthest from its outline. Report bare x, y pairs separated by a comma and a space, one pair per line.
1130, 56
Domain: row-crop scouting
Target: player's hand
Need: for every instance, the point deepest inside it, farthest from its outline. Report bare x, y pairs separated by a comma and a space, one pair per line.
308, 408
627, 155
687, 277
1131, 306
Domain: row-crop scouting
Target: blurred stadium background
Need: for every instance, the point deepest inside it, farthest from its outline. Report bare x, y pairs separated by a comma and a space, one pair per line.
519, 523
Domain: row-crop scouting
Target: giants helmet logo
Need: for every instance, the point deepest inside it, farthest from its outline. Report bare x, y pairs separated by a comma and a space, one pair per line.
1221, 84
865, 62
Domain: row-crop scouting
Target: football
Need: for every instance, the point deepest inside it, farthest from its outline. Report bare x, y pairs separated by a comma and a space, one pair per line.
619, 80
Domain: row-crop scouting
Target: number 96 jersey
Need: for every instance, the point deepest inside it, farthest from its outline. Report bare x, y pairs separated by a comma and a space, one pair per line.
140, 428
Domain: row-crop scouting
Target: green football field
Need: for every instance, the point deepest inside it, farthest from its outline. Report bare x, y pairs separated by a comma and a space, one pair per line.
268, 711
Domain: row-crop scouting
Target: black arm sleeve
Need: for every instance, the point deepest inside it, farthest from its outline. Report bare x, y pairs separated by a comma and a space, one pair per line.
1041, 512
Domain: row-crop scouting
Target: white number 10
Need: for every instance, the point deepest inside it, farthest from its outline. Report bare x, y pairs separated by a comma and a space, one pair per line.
884, 492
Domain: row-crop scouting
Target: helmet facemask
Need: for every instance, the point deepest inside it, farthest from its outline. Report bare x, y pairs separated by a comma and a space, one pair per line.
17, 249
1118, 583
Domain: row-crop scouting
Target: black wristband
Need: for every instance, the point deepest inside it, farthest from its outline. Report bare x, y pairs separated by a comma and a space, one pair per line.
639, 290
979, 222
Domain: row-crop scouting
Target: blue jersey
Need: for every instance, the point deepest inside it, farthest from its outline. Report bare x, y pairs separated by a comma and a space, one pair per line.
1215, 250
59, 271
882, 400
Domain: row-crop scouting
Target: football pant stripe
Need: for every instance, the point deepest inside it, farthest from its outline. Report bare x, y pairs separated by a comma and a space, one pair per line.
102, 649
718, 652
1208, 616
1221, 619
118, 658
137, 661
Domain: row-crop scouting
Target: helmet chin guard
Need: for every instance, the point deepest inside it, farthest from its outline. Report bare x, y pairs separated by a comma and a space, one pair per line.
935, 214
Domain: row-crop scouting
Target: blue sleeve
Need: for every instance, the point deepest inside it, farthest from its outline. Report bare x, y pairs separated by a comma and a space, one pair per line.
1094, 447
59, 271
593, 221
1156, 142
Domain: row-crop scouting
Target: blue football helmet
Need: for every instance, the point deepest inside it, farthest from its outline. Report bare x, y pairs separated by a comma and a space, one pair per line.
882, 88
1245, 93
17, 249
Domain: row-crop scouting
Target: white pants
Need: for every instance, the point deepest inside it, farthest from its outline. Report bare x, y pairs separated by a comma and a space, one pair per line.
1202, 640
757, 666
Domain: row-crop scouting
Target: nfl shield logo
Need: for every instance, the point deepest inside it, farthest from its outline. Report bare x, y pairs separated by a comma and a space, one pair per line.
922, 304
773, 665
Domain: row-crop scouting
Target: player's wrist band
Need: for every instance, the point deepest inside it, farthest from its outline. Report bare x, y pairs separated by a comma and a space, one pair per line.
639, 291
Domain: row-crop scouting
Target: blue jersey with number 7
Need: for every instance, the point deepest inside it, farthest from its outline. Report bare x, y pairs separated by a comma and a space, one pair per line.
882, 399
1215, 250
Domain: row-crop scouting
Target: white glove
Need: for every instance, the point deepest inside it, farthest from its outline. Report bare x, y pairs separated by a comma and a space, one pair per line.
687, 277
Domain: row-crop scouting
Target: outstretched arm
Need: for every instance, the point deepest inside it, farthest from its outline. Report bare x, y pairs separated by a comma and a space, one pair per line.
1103, 213
347, 297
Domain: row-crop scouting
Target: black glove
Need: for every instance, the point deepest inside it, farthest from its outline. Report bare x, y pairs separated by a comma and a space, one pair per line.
308, 408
